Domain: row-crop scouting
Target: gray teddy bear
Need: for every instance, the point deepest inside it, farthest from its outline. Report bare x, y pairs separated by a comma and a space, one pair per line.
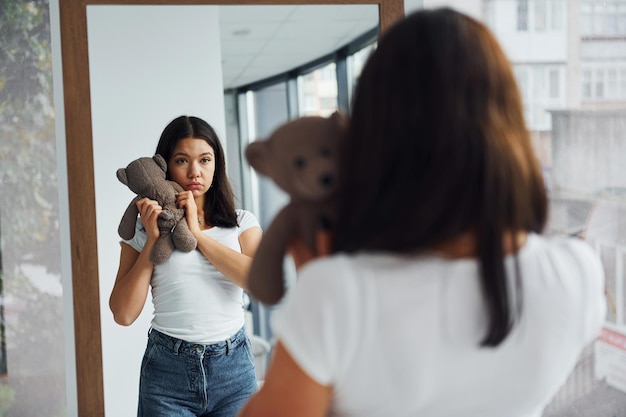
147, 178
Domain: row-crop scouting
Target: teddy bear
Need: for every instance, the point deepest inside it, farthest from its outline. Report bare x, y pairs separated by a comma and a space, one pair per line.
146, 177
300, 157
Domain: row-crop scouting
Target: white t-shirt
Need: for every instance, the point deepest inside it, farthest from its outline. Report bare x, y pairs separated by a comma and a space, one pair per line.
192, 300
400, 335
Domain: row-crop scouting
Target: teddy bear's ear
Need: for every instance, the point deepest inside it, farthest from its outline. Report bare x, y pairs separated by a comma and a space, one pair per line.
256, 155
341, 119
121, 175
160, 162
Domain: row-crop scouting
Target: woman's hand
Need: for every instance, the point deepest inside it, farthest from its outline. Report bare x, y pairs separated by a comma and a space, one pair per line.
302, 254
186, 200
149, 211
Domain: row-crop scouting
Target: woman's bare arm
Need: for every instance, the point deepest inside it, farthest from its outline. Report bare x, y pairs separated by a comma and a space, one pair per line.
232, 264
134, 273
288, 391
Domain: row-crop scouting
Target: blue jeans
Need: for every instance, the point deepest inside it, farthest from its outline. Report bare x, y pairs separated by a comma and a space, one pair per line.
182, 379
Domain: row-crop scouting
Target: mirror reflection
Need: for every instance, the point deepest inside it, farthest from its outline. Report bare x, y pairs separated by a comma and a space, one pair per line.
150, 64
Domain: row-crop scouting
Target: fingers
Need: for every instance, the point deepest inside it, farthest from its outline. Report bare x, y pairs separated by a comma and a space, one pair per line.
147, 205
149, 211
185, 199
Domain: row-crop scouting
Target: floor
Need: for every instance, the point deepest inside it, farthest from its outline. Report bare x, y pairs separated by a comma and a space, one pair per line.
584, 396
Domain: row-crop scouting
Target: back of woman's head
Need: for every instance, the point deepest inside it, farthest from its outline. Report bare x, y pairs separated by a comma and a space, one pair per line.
438, 148
219, 205
438, 144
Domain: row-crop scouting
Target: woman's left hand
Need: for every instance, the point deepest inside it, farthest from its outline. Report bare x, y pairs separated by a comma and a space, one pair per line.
186, 200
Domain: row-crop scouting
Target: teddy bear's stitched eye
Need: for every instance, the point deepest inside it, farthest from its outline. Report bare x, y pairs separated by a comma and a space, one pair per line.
325, 152
299, 162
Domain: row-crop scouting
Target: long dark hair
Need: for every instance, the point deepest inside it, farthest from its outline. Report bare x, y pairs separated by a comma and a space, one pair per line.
219, 206
439, 148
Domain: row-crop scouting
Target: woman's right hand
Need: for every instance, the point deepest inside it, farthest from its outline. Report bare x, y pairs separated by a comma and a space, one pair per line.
134, 273
149, 211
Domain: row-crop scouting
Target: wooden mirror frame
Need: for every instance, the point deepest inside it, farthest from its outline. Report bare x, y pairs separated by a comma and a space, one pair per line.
80, 177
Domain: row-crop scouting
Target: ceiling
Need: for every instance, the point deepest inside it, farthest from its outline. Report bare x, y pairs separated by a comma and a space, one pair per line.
259, 41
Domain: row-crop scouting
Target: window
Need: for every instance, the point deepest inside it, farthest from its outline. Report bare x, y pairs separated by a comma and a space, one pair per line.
264, 106
318, 91
599, 84
356, 62
555, 83
535, 15
541, 89
612, 90
586, 84
557, 15
604, 82
540, 15
603, 18
586, 19
522, 15
522, 81
621, 18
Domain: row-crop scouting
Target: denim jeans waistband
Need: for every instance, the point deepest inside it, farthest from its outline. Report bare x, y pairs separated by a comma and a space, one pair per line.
180, 346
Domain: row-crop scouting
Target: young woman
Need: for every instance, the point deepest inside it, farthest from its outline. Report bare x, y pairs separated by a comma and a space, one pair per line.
442, 298
198, 361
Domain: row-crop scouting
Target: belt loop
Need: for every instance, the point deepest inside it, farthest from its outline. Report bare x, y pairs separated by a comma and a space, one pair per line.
177, 346
229, 346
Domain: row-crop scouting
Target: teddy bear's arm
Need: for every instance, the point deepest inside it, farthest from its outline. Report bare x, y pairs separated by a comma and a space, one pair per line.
126, 229
266, 276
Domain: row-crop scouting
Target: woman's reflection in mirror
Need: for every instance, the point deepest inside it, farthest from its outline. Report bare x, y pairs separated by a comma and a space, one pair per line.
198, 360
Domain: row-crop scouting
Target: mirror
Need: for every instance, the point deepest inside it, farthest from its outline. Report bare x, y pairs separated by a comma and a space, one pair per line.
158, 72
80, 173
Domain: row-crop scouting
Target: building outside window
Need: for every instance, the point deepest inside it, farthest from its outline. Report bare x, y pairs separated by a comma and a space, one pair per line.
317, 91
603, 18
540, 15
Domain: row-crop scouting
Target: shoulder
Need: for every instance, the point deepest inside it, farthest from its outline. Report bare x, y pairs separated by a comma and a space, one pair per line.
139, 239
565, 251
246, 219
335, 278
562, 257
574, 269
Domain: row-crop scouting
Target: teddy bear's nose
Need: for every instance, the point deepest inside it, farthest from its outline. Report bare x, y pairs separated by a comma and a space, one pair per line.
327, 180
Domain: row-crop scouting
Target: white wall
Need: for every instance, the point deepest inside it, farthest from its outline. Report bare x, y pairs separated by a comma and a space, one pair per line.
148, 65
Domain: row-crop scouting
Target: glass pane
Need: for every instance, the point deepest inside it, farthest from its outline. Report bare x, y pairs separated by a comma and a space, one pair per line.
612, 89
540, 15
586, 19
318, 91
32, 349
556, 14
576, 111
522, 15
599, 83
586, 84
355, 66
621, 18
554, 84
